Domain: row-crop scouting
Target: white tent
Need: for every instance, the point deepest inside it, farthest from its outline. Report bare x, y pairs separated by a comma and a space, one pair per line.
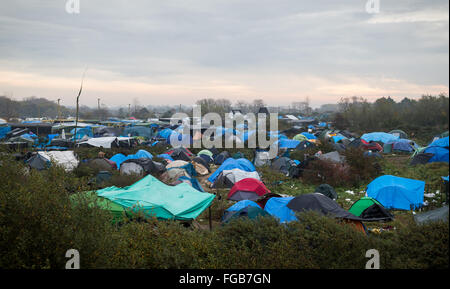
103, 141
66, 159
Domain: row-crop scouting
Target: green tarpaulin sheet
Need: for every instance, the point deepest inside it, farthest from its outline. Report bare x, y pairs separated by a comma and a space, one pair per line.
180, 202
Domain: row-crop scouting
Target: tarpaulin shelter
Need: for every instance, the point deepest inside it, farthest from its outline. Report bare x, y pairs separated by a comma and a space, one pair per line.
220, 158
440, 150
154, 198
382, 137
327, 190
120, 158
396, 192
138, 131
247, 189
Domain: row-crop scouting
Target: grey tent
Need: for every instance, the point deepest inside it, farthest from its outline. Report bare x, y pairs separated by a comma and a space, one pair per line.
440, 214
261, 158
38, 162
333, 157
282, 165
131, 168
101, 165
149, 166
327, 190
227, 178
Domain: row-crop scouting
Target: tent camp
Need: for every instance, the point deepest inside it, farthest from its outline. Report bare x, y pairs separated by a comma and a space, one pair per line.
277, 207
243, 208
397, 193
154, 198
247, 189
42, 160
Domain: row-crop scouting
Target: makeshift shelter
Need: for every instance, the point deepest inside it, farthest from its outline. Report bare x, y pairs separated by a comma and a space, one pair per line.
180, 153
148, 165
370, 209
332, 157
379, 137
39, 162
282, 165
421, 158
300, 137
142, 131
66, 159
131, 169
440, 214
262, 158
247, 189
396, 192
201, 166
105, 142
154, 198
120, 158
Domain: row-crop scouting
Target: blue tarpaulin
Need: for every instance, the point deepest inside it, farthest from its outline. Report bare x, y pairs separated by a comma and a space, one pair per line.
396, 192
309, 135
288, 143
242, 204
4, 130
120, 158
379, 137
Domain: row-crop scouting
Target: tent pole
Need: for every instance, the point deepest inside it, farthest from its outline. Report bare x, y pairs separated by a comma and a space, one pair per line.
210, 221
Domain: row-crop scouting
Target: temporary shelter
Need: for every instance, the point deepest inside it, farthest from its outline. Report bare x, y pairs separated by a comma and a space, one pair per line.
154, 198
277, 207
230, 164
396, 192
227, 178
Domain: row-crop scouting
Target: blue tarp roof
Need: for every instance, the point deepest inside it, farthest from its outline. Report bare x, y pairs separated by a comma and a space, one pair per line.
4, 130
396, 192
277, 207
379, 137
229, 164
440, 154
337, 138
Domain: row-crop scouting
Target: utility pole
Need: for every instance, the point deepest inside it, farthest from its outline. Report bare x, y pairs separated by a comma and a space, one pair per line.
129, 110
59, 110
98, 103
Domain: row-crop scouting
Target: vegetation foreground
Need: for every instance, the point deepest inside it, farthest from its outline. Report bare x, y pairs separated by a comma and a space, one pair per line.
39, 223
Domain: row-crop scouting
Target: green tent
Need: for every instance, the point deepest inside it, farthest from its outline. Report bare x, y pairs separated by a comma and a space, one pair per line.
359, 206
300, 137
205, 152
154, 198
370, 210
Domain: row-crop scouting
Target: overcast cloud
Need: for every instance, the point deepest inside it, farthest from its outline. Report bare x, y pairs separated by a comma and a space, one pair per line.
172, 52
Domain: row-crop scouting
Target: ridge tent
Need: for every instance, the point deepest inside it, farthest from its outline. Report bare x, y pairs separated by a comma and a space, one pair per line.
247, 189
370, 209
230, 164
396, 192
180, 202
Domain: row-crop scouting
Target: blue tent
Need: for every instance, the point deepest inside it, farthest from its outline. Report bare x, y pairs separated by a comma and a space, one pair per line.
165, 133
403, 145
379, 137
277, 207
442, 142
396, 192
440, 154
337, 138
242, 204
309, 136
120, 158
322, 124
445, 178
229, 164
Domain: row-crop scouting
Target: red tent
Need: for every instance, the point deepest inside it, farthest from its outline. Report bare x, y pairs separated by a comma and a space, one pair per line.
249, 188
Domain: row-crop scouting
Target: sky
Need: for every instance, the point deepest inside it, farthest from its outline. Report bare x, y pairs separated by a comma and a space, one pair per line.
154, 52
